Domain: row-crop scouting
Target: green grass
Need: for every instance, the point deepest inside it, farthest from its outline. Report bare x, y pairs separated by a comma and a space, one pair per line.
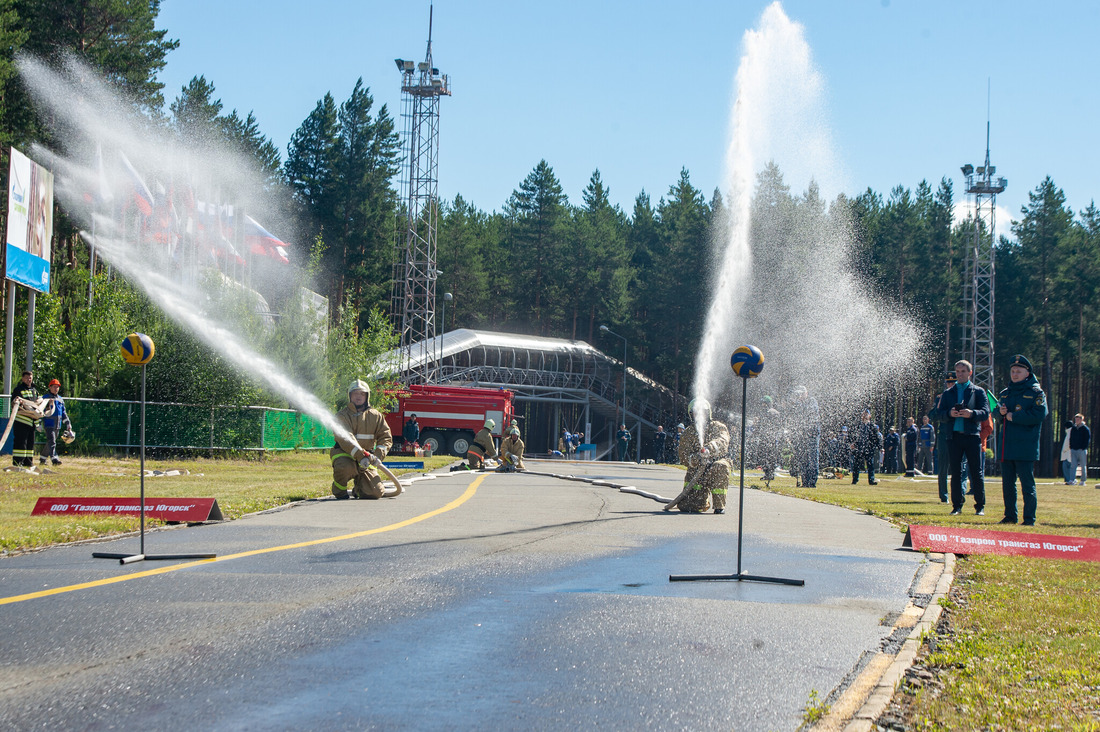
241, 486
1019, 644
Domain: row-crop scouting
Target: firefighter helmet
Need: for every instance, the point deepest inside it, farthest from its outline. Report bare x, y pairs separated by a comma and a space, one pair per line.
699, 405
359, 385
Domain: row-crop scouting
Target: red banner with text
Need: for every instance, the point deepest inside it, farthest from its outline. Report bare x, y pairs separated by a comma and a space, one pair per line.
979, 541
191, 510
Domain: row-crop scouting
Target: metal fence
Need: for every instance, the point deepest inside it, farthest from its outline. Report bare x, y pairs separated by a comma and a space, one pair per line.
113, 424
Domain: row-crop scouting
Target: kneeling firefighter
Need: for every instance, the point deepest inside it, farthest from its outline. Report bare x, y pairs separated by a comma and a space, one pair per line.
707, 461
353, 465
482, 447
511, 452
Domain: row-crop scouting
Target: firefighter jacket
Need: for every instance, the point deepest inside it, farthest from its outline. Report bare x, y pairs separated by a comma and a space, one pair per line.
511, 449
30, 394
368, 427
483, 444
717, 446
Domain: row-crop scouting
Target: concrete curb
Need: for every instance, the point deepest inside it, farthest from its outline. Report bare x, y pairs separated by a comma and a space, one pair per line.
868, 696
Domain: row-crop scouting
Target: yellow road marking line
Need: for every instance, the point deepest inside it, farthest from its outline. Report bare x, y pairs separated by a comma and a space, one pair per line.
467, 495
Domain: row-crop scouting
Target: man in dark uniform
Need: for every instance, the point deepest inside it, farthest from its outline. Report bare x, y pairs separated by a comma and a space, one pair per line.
659, 444
891, 444
22, 453
1023, 409
965, 406
911, 437
865, 447
623, 436
411, 432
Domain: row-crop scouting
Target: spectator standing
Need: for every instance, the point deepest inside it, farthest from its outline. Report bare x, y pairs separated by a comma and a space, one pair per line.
865, 446
674, 448
925, 445
966, 406
943, 465
890, 448
622, 438
411, 432
1023, 409
54, 422
659, 439
912, 436
804, 418
1067, 473
1079, 439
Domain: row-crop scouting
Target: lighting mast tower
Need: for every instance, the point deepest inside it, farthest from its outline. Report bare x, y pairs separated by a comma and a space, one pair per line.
412, 304
980, 275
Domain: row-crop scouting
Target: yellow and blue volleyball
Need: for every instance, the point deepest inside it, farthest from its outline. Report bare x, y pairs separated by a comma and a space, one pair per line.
137, 349
747, 362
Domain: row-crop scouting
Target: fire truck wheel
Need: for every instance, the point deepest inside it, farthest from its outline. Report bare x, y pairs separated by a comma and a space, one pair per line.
460, 443
432, 439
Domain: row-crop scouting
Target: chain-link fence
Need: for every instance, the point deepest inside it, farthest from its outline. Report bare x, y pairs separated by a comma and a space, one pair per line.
112, 424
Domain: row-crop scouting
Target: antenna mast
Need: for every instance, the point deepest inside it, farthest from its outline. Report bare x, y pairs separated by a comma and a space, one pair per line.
980, 277
412, 304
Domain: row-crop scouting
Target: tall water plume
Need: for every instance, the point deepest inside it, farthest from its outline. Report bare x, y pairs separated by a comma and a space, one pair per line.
783, 276
104, 150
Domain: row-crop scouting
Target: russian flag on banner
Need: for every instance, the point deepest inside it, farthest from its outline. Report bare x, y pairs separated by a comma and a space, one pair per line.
262, 241
142, 196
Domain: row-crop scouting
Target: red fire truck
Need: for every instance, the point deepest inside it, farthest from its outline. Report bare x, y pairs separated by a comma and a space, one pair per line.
450, 416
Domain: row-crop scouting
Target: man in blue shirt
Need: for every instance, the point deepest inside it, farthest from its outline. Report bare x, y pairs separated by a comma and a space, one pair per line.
925, 445
964, 407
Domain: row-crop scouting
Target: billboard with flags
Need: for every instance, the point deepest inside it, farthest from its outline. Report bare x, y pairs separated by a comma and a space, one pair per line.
30, 223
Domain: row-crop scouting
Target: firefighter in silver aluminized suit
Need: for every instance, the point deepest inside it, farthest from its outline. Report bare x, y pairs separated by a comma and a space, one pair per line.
353, 465
708, 465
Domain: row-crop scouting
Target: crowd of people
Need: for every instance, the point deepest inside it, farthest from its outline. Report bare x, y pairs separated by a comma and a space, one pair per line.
952, 441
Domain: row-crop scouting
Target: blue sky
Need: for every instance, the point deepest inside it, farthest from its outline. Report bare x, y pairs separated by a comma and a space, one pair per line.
642, 89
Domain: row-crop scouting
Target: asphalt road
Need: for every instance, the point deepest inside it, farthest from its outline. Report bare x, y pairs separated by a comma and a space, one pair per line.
474, 601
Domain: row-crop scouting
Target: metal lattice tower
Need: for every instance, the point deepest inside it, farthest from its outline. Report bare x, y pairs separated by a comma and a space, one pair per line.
412, 305
980, 275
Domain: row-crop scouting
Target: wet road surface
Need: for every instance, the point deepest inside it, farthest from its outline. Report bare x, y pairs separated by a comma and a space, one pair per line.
474, 601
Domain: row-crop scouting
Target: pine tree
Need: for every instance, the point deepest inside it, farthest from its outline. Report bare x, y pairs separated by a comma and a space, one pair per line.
682, 280
599, 274
365, 203
244, 135
538, 209
1041, 237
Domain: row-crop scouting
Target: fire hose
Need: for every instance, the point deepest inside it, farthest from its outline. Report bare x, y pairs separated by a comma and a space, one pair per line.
35, 410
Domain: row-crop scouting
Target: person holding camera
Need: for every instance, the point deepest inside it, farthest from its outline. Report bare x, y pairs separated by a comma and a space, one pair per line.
968, 408
1022, 411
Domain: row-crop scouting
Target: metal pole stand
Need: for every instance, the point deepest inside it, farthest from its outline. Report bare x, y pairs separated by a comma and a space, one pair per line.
141, 556
740, 576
